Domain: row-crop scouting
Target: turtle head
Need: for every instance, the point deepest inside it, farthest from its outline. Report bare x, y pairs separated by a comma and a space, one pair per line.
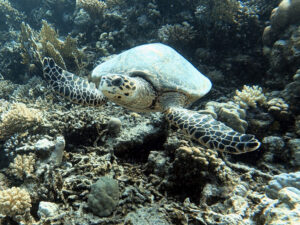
118, 88
131, 92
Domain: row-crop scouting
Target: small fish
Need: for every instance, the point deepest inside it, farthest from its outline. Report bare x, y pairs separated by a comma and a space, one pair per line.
1, 77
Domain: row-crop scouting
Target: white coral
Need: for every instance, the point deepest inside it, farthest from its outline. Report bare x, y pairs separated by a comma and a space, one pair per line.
250, 96
14, 201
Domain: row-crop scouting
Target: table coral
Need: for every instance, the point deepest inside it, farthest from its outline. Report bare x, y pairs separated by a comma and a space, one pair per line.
14, 201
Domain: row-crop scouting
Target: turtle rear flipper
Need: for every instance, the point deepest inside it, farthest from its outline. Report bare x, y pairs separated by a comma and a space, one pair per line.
204, 129
69, 85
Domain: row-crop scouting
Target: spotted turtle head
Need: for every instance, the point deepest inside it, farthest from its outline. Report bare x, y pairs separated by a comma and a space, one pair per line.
118, 88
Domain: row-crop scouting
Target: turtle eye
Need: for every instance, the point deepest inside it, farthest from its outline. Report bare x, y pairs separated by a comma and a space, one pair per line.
117, 81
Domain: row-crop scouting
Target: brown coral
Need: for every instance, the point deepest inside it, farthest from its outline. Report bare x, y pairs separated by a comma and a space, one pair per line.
14, 201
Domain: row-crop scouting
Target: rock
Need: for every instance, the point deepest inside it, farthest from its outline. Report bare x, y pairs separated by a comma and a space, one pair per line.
158, 163
274, 146
294, 145
291, 95
114, 126
139, 133
229, 113
82, 19
44, 147
297, 125
57, 154
284, 210
281, 181
146, 216
47, 209
287, 13
104, 196
273, 143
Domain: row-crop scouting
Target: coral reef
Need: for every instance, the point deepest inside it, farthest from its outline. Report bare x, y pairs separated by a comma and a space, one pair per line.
250, 96
56, 151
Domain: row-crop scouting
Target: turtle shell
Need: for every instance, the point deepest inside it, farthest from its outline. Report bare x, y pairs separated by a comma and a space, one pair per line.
162, 66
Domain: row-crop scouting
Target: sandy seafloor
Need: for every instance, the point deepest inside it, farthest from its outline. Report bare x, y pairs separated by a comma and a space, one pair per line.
63, 163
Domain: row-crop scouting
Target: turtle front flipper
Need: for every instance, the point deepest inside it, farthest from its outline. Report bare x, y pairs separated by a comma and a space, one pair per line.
73, 87
204, 129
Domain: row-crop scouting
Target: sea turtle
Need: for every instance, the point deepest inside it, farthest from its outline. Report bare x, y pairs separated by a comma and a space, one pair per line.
152, 77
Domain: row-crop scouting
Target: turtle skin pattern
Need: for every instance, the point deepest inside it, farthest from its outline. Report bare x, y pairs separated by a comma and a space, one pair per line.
72, 87
204, 129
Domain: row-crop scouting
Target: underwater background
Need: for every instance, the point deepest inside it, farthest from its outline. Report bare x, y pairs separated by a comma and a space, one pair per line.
65, 163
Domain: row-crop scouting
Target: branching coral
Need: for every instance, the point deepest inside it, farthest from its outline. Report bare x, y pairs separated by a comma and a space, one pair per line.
14, 201
94, 7
18, 118
249, 96
29, 45
47, 43
62, 51
23, 166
